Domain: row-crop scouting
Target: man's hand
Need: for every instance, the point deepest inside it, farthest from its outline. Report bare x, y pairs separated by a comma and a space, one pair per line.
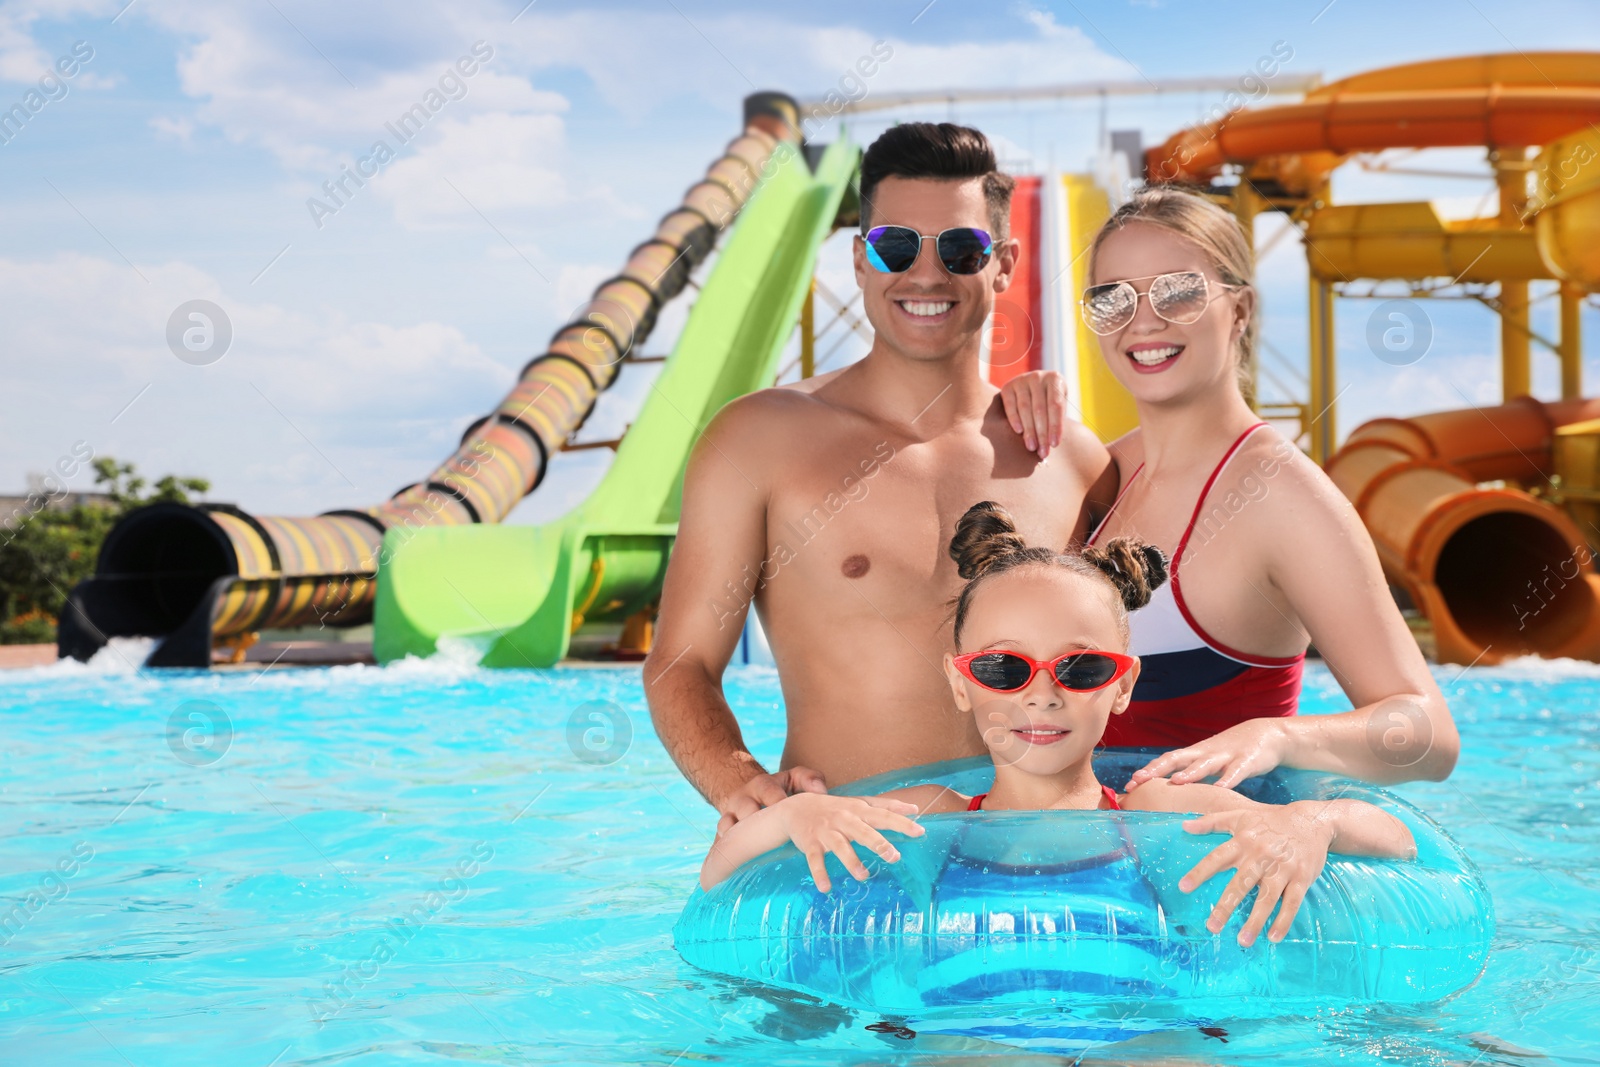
819, 824
1036, 407
1239, 752
765, 790
1278, 851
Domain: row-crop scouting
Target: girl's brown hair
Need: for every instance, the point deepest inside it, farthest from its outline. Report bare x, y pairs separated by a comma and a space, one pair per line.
987, 543
1219, 236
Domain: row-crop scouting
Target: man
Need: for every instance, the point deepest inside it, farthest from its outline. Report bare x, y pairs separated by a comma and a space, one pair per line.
831, 503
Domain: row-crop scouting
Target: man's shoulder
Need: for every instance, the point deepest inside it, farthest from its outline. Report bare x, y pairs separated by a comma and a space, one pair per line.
764, 410
1085, 455
755, 412
809, 386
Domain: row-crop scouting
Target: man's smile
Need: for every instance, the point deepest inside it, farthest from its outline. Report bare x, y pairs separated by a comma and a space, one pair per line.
926, 311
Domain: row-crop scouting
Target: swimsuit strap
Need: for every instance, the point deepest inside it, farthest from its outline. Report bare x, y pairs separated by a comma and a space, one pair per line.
1205, 492
1177, 586
1193, 518
1113, 509
976, 803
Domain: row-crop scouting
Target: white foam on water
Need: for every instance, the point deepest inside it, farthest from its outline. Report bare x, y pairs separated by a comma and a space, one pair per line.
122, 655
466, 650
1521, 669
456, 661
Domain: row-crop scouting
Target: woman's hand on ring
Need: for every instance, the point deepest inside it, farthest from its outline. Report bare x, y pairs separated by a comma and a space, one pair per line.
1237, 753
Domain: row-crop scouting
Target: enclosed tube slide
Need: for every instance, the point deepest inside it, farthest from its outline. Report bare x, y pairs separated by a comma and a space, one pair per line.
1568, 197
1495, 100
1498, 572
192, 575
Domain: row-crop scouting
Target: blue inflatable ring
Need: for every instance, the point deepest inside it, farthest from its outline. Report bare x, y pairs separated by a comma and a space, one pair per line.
1065, 909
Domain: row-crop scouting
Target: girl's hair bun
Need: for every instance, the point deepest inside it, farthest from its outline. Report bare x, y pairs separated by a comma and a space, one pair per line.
1135, 568
985, 535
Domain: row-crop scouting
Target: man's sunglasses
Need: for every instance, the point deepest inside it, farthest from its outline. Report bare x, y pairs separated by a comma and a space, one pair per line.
962, 250
1080, 672
1180, 297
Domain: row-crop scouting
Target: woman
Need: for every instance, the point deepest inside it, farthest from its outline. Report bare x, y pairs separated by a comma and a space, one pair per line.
1267, 555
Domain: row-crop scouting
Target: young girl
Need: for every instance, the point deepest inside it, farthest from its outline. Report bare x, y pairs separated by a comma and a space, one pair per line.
1047, 669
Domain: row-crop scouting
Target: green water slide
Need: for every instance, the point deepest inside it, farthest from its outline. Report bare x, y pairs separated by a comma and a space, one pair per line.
516, 594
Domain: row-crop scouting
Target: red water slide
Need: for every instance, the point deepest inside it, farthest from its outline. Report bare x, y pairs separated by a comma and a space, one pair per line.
1016, 342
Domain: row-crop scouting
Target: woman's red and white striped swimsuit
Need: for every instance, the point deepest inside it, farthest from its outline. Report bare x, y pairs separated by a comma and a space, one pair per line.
1190, 685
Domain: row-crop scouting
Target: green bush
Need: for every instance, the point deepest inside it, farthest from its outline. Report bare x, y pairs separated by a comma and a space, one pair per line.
52, 549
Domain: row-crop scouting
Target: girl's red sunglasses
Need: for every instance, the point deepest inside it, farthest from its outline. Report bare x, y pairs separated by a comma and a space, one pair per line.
1080, 672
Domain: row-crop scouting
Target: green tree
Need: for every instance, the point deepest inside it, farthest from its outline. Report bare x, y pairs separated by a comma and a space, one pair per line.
49, 550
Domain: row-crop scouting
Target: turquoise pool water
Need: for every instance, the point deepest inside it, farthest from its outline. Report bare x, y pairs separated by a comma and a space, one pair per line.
432, 863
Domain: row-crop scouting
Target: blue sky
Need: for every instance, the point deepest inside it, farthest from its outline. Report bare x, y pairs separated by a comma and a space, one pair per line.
178, 163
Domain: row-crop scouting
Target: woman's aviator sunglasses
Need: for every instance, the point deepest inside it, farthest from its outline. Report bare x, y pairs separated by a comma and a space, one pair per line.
1080, 672
1180, 297
962, 250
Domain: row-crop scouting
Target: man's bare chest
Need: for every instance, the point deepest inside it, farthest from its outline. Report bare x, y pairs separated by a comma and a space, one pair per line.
876, 511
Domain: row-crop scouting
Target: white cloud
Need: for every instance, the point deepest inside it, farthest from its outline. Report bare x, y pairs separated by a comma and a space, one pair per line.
23, 59
657, 56
298, 404
180, 129
1436, 383
497, 162
500, 141
309, 399
577, 282
302, 83
1053, 54
311, 120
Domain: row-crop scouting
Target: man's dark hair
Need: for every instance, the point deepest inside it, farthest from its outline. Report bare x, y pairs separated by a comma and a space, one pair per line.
940, 150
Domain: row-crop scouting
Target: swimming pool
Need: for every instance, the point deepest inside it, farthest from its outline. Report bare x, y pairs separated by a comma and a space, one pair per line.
435, 863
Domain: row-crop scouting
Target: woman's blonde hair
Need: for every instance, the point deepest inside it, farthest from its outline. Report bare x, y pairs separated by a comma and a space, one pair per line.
1219, 236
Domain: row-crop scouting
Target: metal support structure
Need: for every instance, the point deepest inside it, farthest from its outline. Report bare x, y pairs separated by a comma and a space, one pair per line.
1282, 84
1247, 204
1322, 373
1571, 345
808, 332
1511, 175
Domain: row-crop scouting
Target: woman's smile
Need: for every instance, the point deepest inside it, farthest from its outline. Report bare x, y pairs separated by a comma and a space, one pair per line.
1153, 357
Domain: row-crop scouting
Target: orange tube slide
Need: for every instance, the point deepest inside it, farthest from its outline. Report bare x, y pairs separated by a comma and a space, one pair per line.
1496, 100
1497, 571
